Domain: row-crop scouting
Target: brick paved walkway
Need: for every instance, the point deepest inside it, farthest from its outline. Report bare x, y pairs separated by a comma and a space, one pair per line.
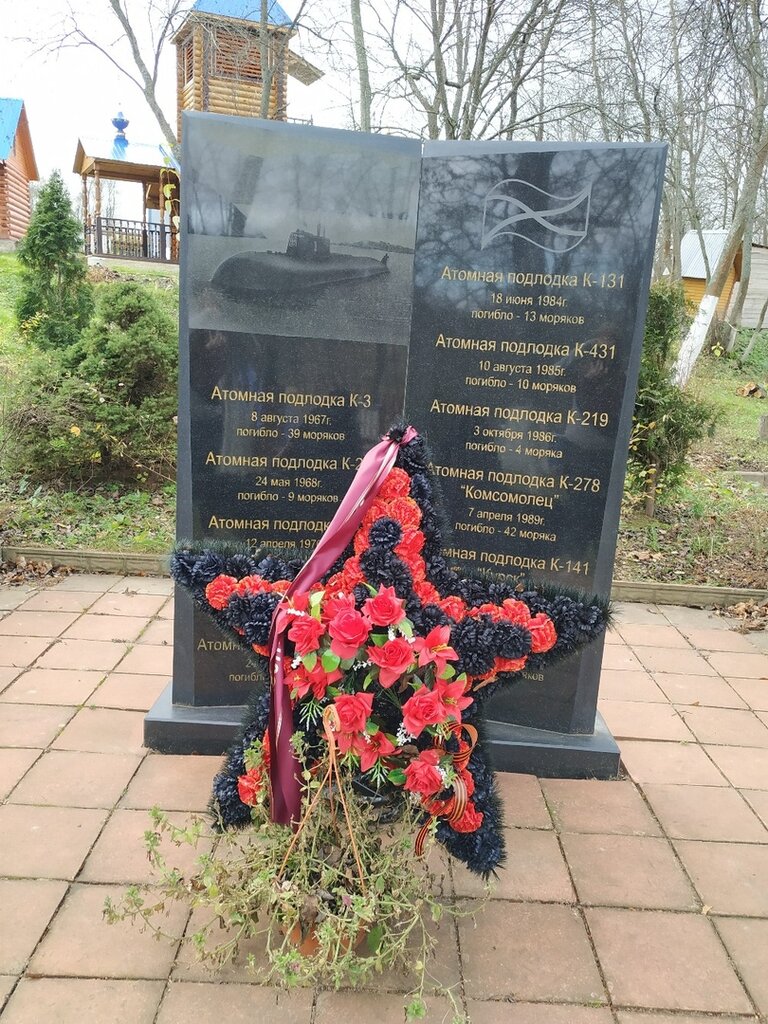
643, 901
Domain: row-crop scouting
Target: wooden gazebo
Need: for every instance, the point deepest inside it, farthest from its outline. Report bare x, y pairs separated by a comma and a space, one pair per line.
151, 238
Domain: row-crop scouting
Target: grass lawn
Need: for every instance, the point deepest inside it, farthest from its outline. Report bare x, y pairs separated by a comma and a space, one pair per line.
713, 530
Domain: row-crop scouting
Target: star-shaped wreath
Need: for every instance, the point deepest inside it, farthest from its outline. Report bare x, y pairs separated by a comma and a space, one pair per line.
378, 626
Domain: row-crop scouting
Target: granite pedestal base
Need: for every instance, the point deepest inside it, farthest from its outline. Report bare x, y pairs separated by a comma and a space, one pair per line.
182, 729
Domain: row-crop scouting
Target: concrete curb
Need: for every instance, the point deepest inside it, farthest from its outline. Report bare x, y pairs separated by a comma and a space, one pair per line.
134, 564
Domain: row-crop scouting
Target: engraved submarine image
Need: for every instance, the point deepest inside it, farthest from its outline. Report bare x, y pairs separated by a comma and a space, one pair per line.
306, 263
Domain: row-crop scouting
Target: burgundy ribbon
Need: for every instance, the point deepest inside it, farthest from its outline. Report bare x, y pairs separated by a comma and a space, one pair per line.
285, 770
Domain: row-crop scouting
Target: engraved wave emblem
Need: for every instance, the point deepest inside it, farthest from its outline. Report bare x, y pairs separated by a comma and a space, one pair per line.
553, 223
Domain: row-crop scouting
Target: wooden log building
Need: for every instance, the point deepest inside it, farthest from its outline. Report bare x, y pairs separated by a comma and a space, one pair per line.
17, 168
219, 59
694, 271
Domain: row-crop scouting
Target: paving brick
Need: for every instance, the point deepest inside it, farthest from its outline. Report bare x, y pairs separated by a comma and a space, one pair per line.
642, 721
56, 600
640, 1017
143, 605
53, 686
14, 763
148, 659
693, 618
103, 730
709, 691
744, 767
705, 812
115, 628
634, 686
651, 635
523, 801
166, 612
90, 582
754, 692
7, 675
536, 1013
83, 1001
250, 966
730, 877
240, 1004
26, 725
627, 871
620, 659
25, 623
7, 981
12, 597
528, 951
85, 654
80, 943
746, 939
158, 632
30, 905
69, 778
129, 691
534, 870
359, 1007
120, 854
673, 661
173, 782
162, 585
718, 640
21, 651
46, 842
726, 726
758, 801
626, 612
677, 763
740, 666
668, 961
587, 805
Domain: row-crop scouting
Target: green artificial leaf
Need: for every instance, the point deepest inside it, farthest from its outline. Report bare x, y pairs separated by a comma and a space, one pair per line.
379, 639
396, 776
368, 680
448, 672
371, 728
406, 628
330, 661
309, 661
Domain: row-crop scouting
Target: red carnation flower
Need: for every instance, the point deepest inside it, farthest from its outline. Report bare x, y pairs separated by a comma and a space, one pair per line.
487, 609
422, 774
354, 710
516, 612
422, 709
410, 546
352, 574
305, 631
468, 780
219, 591
378, 510
396, 485
361, 542
281, 586
250, 585
385, 609
393, 658
453, 607
470, 821
404, 510
425, 592
250, 785
509, 664
259, 648
543, 633
348, 631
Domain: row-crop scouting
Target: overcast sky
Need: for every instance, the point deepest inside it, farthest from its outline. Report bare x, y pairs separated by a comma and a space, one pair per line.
78, 92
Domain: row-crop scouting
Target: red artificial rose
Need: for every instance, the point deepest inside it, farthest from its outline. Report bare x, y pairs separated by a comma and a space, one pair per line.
422, 709
410, 546
348, 631
397, 484
219, 591
516, 612
385, 609
392, 659
353, 709
404, 510
250, 785
453, 607
422, 774
435, 647
543, 633
250, 585
373, 748
335, 603
451, 698
470, 821
305, 631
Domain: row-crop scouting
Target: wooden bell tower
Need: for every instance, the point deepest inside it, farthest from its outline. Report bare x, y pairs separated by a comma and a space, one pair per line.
226, 59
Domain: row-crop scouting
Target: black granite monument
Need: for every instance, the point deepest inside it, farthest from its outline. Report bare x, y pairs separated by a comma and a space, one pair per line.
531, 279
297, 260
